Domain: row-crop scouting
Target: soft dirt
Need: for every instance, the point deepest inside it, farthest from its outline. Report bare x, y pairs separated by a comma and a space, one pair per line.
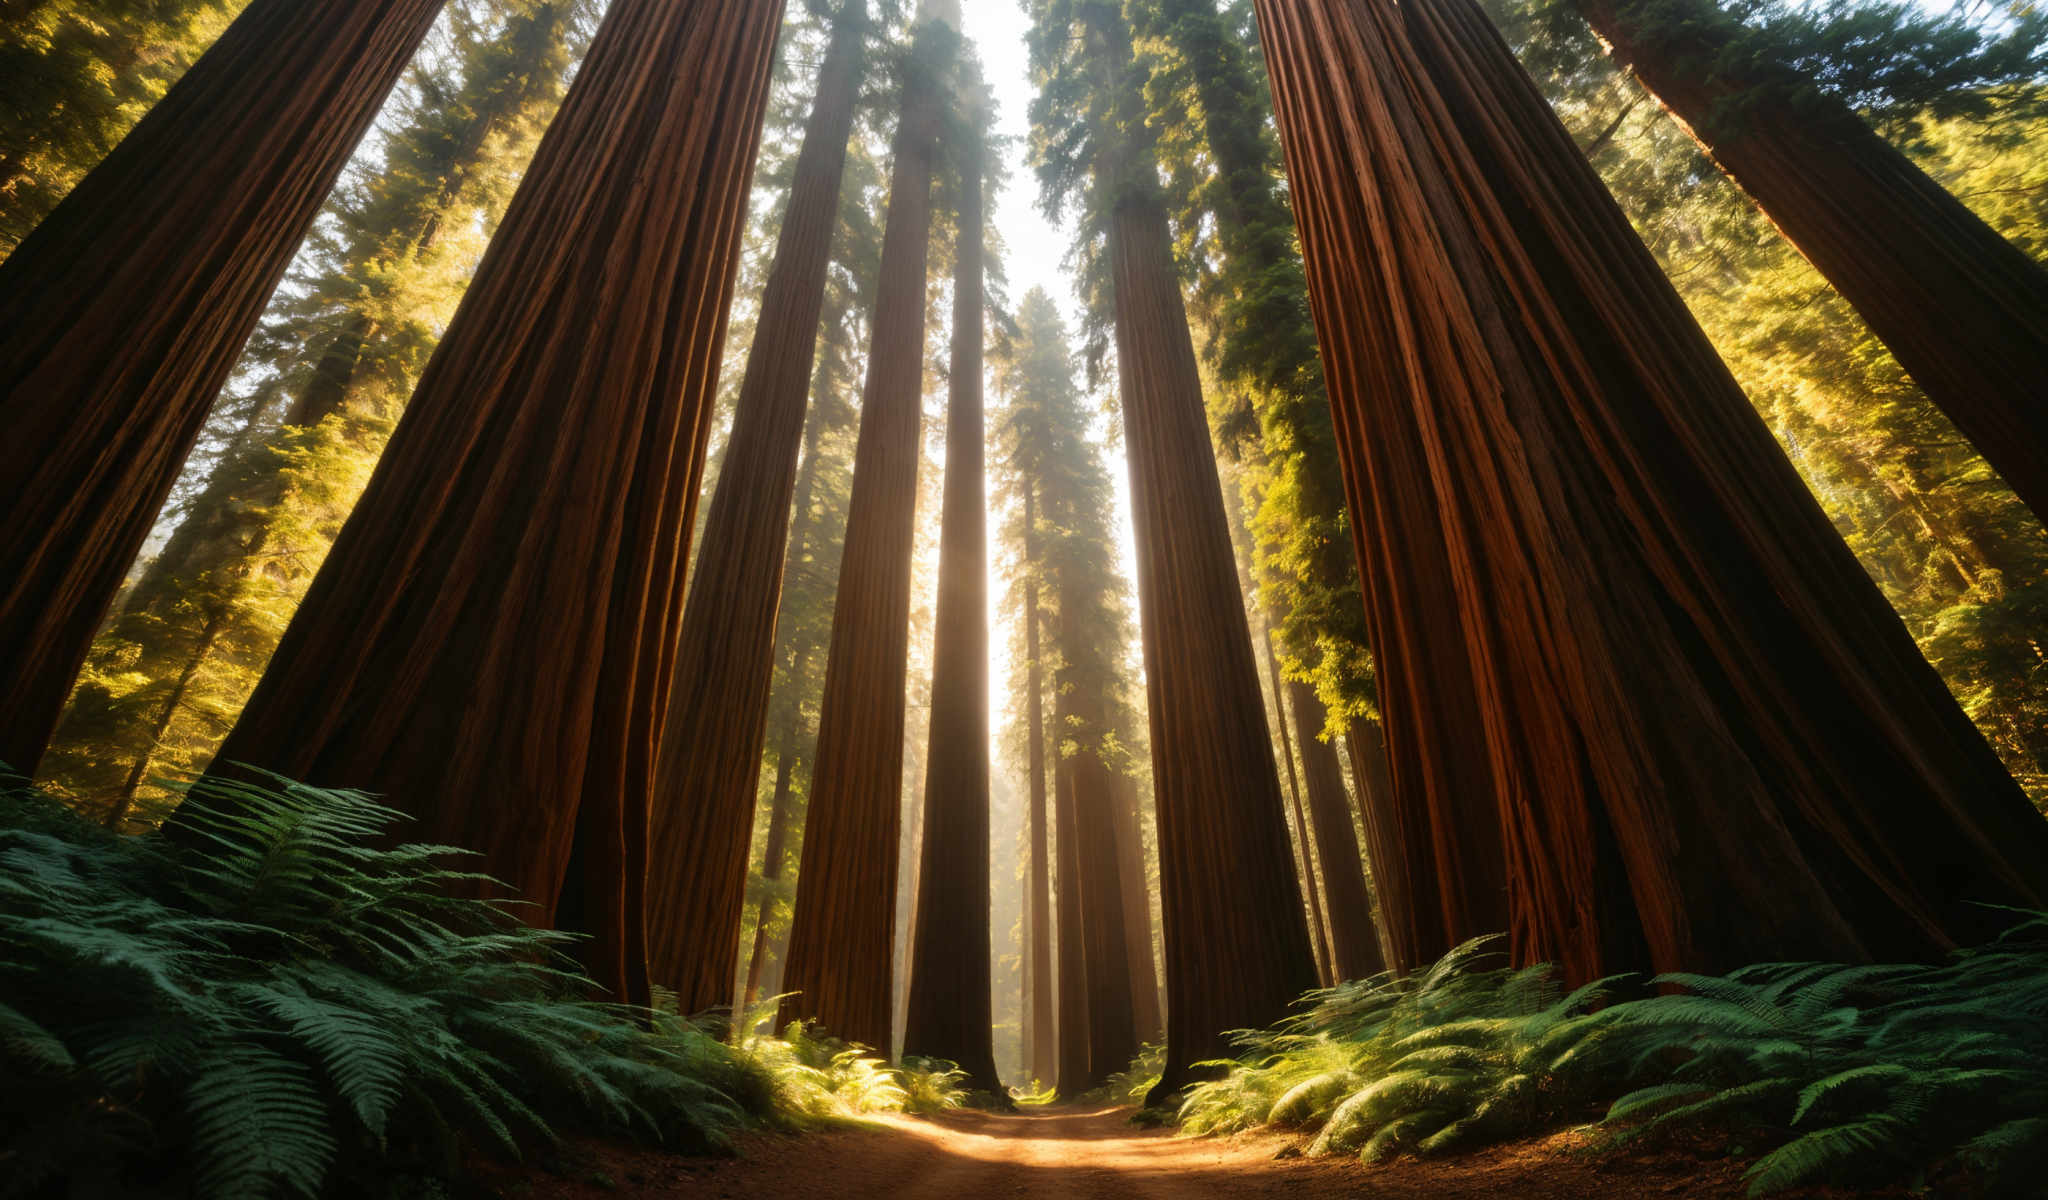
1096, 1154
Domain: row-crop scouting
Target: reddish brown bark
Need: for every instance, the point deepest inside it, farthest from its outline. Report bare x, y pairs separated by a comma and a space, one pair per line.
1237, 948
1039, 1050
1148, 1020
1714, 742
1963, 310
1354, 943
123, 311
725, 657
951, 1009
841, 943
490, 641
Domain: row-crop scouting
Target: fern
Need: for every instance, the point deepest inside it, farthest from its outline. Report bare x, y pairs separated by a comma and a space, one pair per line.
1850, 1072
287, 1003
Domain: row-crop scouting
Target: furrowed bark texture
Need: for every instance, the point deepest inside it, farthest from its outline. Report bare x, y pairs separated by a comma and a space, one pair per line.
123, 311
1347, 901
1146, 1017
1040, 1053
1963, 310
490, 642
1714, 742
951, 1012
1237, 949
725, 659
840, 942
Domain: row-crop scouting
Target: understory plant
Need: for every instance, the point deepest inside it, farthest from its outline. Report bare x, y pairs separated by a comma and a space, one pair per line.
1848, 1074
816, 1075
281, 1003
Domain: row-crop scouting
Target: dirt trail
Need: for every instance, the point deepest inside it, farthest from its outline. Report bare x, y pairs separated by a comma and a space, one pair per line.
1095, 1154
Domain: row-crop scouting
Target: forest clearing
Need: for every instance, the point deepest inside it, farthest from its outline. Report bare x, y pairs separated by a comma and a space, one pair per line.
1145, 598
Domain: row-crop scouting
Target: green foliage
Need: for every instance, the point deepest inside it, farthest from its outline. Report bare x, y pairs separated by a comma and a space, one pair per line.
818, 1077
1132, 1084
283, 1004
1852, 1074
75, 75
312, 404
1964, 562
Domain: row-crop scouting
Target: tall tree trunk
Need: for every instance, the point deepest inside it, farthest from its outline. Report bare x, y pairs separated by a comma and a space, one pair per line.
1082, 714
123, 311
951, 1012
1963, 310
1354, 943
490, 641
1318, 926
124, 800
1041, 1054
1237, 948
771, 861
1071, 1073
1365, 744
840, 942
1671, 645
1146, 1016
725, 659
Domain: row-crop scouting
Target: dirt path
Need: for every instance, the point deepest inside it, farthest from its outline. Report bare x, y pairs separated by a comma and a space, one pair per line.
1096, 1154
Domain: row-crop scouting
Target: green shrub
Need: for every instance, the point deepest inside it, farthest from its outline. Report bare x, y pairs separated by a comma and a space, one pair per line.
1854, 1073
288, 1002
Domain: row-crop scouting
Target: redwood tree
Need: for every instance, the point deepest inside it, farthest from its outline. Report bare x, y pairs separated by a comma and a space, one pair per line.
1963, 310
1347, 899
1237, 948
1434, 892
490, 641
123, 311
725, 656
840, 942
1043, 1061
951, 1009
1713, 741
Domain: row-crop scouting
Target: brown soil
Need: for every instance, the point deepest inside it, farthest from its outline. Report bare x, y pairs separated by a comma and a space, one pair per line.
1097, 1154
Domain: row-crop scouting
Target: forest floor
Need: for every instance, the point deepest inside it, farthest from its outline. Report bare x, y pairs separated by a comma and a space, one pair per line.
1095, 1153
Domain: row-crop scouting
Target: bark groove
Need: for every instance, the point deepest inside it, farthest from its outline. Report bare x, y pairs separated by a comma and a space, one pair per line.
123, 311
725, 659
490, 641
1712, 740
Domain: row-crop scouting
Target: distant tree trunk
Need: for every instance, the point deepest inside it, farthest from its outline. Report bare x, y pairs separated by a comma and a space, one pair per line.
840, 942
138, 773
1963, 310
1317, 926
1354, 943
1150, 1022
1237, 948
1365, 743
951, 1012
1714, 741
711, 741
771, 862
123, 311
490, 641
1071, 1072
1044, 1061
1111, 1036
